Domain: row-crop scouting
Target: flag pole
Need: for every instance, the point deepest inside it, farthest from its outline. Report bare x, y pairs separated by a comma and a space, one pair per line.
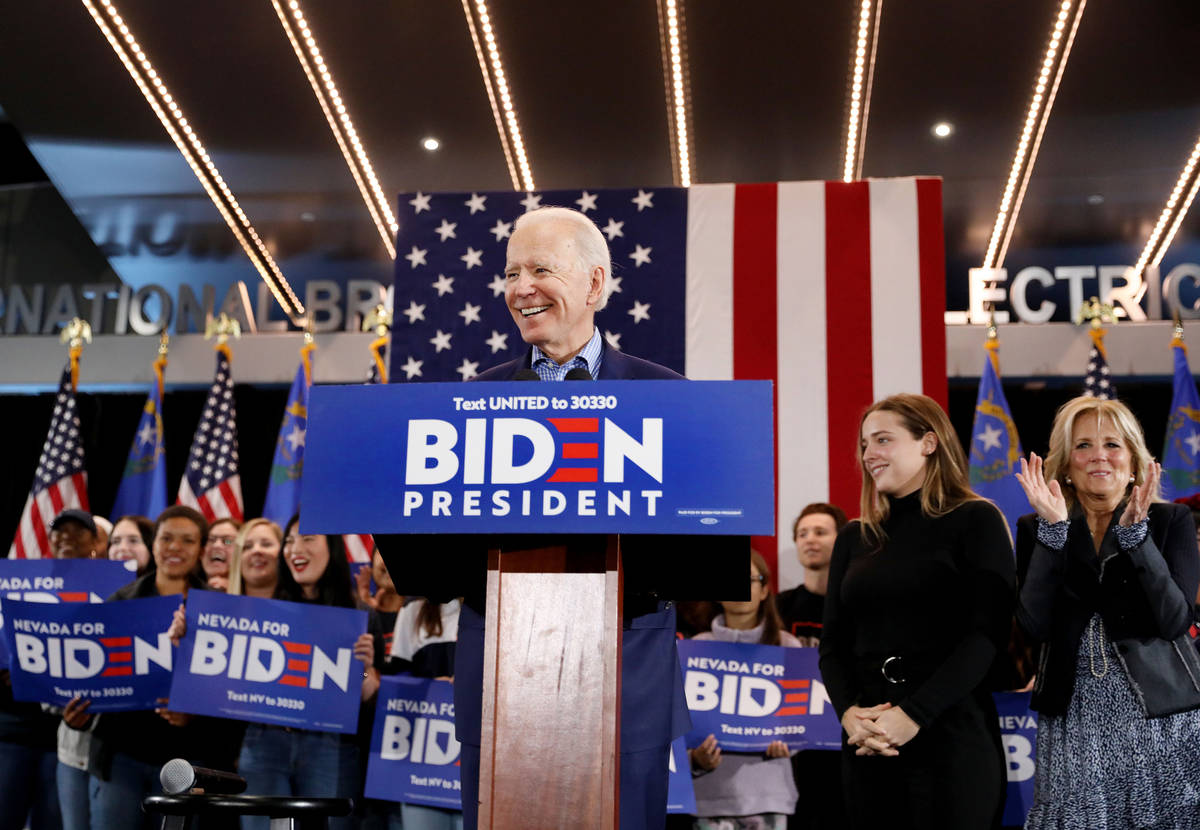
223, 328
307, 349
73, 336
380, 319
1096, 314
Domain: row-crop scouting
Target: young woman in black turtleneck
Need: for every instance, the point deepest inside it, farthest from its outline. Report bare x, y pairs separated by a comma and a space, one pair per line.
921, 593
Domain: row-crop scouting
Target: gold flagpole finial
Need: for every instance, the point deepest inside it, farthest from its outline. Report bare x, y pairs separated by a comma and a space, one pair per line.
223, 327
379, 320
164, 342
75, 333
308, 330
1096, 313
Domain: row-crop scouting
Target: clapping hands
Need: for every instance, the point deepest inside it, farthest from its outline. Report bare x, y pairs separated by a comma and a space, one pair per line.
1138, 506
1045, 498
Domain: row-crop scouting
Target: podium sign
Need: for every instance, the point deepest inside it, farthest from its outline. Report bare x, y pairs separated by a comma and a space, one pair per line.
631, 457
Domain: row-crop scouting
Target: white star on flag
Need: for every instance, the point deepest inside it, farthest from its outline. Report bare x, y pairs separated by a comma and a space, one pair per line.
475, 203
416, 257
613, 229
412, 368
639, 312
616, 284
497, 341
444, 285
586, 202
446, 229
497, 285
641, 256
470, 314
643, 200
468, 369
1193, 442
613, 338
414, 312
990, 438
531, 202
419, 202
147, 434
295, 437
502, 230
440, 341
472, 257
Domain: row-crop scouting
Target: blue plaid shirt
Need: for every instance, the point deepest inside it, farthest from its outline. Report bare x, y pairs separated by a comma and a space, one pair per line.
588, 359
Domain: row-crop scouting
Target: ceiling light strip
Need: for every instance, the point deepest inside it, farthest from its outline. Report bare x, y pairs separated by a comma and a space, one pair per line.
854, 121
496, 68
1157, 244
868, 85
171, 116
491, 93
678, 89
1053, 63
304, 43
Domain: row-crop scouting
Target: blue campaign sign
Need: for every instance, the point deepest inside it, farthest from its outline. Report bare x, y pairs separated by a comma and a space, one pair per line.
116, 654
1018, 730
59, 580
270, 661
750, 695
414, 756
604, 457
681, 795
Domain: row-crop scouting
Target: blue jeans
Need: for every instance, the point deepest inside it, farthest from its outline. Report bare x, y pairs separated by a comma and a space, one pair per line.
73, 786
27, 789
276, 761
116, 804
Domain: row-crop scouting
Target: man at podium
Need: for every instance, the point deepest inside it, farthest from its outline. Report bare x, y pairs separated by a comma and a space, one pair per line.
556, 279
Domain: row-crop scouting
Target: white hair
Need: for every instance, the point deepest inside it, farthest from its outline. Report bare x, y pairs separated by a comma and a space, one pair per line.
593, 249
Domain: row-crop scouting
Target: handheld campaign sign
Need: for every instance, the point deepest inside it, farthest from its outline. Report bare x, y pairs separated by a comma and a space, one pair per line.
681, 794
414, 756
605, 457
115, 653
59, 580
270, 661
750, 695
1018, 731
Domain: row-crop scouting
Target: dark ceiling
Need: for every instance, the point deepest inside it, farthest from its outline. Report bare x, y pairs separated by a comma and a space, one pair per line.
768, 82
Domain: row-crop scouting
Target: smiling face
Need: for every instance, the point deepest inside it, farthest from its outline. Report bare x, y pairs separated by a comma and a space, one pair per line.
260, 558
306, 557
71, 540
127, 543
215, 560
176, 547
550, 295
892, 456
815, 535
1100, 463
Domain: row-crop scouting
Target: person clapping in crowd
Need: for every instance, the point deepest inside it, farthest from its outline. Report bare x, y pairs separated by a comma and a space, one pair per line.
253, 566
131, 540
279, 761
921, 591
745, 790
222, 537
1108, 577
129, 748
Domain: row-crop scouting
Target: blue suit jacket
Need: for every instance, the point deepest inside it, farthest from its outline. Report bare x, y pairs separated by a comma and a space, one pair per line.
614, 365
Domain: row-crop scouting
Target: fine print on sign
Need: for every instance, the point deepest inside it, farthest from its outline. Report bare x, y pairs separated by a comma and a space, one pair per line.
601, 457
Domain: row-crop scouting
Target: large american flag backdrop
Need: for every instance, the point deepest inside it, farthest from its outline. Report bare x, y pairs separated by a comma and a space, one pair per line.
835, 291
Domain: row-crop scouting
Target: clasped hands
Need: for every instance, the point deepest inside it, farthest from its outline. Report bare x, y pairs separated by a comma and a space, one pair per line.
1047, 497
878, 730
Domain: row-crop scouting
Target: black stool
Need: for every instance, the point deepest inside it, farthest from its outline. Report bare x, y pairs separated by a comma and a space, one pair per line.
179, 812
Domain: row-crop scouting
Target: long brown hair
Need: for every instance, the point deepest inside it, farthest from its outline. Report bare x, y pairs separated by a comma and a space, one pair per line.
768, 614
429, 618
946, 483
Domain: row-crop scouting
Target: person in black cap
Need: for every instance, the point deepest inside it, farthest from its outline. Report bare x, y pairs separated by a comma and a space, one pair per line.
73, 535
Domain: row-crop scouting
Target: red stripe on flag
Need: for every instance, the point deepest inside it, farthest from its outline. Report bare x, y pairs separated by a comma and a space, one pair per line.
932, 258
576, 424
204, 507
755, 296
56, 499
581, 450
39, 524
231, 500
574, 474
848, 327
79, 480
117, 671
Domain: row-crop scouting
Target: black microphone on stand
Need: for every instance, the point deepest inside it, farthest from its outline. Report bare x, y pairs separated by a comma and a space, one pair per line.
526, 374
179, 776
578, 373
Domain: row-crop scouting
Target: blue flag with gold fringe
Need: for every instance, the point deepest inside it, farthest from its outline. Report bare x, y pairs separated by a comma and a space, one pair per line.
143, 490
283, 486
996, 449
1181, 450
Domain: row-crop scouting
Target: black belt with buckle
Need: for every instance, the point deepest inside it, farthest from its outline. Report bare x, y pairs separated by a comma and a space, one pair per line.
892, 669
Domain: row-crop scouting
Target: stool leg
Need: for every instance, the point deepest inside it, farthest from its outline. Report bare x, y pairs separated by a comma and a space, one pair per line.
177, 822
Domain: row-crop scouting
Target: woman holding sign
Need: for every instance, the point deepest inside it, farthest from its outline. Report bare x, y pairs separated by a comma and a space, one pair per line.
919, 607
254, 568
278, 761
1108, 577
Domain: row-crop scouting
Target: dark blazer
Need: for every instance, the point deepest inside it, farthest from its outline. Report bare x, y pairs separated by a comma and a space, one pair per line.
614, 365
1144, 592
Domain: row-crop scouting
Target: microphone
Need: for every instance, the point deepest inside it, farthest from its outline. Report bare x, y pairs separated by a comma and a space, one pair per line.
178, 776
578, 373
526, 374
